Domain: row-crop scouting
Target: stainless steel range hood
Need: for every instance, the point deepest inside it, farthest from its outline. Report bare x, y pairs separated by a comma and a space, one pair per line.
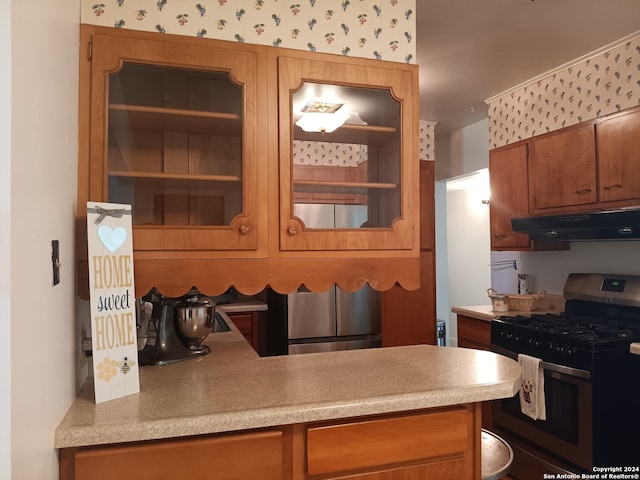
601, 225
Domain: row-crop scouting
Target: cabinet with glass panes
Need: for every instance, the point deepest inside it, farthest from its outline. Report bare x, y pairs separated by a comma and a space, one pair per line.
205, 139
174, 134
347, 141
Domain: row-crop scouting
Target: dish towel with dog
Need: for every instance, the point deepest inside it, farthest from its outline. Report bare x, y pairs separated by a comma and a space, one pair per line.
532, 389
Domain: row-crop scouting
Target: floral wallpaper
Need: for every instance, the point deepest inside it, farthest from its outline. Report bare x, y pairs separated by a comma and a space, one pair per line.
606, 83
328, 154
349, 155
427, 140
379, 29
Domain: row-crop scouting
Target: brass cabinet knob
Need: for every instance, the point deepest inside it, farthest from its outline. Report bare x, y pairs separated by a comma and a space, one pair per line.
292, 230
244, 229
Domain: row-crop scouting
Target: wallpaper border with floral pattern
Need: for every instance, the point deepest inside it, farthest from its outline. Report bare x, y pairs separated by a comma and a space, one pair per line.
381, 29
604, 83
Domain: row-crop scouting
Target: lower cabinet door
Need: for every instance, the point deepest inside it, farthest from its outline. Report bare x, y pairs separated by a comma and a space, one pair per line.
394, 447
443, 470
224, 457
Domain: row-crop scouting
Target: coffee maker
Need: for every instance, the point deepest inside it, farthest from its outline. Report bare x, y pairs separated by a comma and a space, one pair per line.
171, 330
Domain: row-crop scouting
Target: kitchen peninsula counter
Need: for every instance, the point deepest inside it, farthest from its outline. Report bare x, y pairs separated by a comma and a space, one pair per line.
233, 389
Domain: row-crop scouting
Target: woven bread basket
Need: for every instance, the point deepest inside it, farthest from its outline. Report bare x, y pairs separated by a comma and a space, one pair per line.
526, 303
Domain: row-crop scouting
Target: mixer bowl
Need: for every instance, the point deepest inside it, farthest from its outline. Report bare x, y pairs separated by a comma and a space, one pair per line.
195, 319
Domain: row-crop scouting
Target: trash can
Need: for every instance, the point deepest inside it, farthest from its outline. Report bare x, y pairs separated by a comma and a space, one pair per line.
441, 333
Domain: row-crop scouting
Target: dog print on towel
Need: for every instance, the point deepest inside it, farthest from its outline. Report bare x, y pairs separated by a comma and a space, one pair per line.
527, 390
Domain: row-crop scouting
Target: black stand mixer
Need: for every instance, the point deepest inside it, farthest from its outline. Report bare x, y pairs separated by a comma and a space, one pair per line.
172, 329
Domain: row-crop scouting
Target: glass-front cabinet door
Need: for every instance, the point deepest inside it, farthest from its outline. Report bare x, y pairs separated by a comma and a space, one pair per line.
348, 156
178, 140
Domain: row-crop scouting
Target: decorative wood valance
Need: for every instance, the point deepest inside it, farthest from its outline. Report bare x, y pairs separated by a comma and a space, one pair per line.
175, 277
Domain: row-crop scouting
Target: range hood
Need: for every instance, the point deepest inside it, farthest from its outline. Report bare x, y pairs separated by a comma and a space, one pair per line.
600, 225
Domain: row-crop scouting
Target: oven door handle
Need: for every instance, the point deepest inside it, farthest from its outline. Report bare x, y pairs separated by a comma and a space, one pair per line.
552, 367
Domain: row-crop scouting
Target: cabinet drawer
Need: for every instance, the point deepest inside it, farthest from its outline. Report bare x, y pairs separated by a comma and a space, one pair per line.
224, 457
472, 331
393, 440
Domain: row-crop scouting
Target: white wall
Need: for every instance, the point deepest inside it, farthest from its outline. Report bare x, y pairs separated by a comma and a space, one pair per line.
442, 253
5, 240
549, 270
43, 152
462, 222
464, 151
468, 248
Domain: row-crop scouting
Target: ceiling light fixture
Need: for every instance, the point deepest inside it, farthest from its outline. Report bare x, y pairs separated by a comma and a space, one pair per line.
323, 117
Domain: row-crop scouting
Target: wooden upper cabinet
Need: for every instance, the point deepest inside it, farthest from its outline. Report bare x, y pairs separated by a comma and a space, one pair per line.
375, 148
562, 169
508, 179
619, 157
427, 205
175, 132
200, 136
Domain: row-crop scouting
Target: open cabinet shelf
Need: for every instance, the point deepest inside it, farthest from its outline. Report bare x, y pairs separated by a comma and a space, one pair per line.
177, 179
355, 134
139, 117
343, 187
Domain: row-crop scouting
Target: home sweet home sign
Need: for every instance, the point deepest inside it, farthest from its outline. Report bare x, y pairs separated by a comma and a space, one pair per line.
112, 299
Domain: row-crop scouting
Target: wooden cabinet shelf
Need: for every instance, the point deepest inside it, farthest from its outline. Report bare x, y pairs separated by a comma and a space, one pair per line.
139, 117
177, 179
342, 187
356, 134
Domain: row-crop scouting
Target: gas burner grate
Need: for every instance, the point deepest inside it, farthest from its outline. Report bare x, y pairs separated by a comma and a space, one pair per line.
583, 328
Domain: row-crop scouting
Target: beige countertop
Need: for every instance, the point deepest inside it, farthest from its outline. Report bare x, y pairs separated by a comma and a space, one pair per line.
635, 348
243, 303
552, 304
233, 389
480, 312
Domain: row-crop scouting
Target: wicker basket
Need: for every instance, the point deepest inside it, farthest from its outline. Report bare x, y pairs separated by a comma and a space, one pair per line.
526, 303
499, 301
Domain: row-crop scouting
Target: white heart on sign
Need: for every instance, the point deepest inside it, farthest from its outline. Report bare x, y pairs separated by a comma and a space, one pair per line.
112, 238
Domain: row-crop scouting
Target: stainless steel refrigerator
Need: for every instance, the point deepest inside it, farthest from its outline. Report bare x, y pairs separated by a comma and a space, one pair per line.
335, 319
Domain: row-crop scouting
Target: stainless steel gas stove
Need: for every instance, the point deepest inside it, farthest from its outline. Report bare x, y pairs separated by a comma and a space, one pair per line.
592, 381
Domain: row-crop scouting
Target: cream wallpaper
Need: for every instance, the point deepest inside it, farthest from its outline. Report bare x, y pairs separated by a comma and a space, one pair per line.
427, 140
381, 29
605, 83
348, 155
328, 154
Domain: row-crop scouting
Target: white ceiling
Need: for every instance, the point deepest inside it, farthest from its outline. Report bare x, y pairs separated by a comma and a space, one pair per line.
470, 50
